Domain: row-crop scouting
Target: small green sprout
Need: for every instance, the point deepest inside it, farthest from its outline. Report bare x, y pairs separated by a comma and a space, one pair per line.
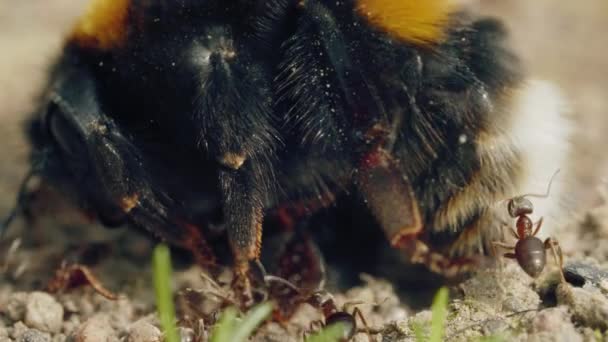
230, 328
331, 333
164, 294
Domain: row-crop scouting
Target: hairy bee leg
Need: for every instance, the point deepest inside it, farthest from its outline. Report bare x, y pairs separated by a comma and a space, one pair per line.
241, 284
390, 197
199, 247
301, 264
289, 214
558, 256
243, 209
419, 252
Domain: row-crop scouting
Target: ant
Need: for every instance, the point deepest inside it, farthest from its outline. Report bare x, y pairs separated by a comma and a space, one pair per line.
530, 251
324, 301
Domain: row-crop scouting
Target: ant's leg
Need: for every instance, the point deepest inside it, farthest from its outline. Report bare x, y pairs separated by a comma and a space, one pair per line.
538, 224
495, 252
358, 313
502, 244
513, 232
314, 326
556, 250
72, 276
510, 229
510, 255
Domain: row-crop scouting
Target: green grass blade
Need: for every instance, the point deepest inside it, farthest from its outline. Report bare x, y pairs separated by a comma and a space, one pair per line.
164, 294
331, 333
418, 332
223, 329
439, 310
251, 321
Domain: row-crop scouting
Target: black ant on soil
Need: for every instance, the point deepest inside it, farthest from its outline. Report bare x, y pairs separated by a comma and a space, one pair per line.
530, 251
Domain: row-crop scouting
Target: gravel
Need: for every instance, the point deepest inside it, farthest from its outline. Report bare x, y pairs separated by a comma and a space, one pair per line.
43, 312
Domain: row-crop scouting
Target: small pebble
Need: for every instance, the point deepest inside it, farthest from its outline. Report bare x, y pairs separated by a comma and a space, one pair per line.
142, 331
59, 338
18, 329
95, 329
43, 312
33, 335
3, 333
15, 306
554, 324
585, 273
589, 308
495, 327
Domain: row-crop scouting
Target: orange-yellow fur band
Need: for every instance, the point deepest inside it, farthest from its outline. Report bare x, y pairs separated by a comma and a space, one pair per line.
104, 25
420, 22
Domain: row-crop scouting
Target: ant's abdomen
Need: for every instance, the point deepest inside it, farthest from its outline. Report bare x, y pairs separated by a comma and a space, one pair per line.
530, 254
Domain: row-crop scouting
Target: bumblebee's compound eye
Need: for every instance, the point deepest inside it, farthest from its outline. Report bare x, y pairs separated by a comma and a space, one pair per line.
346, 320
520, 206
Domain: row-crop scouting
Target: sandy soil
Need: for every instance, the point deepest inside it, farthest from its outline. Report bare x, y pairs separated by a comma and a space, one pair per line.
560, 40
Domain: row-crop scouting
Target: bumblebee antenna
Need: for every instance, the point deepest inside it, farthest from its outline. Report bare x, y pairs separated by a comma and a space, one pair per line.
546, 194
19, 203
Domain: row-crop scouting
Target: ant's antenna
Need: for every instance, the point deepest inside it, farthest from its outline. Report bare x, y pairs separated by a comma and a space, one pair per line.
545, 195
271, 278
19, 203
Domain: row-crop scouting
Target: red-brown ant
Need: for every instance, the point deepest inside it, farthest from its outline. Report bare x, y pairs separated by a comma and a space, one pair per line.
530, 251
325, 302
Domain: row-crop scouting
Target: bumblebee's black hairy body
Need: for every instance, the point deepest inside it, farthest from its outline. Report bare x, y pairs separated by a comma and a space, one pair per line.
237, 107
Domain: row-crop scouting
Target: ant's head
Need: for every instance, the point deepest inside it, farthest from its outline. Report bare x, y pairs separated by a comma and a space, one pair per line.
320, 298
519, 206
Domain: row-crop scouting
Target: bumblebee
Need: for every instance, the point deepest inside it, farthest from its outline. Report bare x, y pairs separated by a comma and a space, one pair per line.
177, 116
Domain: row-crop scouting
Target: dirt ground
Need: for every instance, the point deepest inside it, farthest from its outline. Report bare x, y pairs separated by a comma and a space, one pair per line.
559, 40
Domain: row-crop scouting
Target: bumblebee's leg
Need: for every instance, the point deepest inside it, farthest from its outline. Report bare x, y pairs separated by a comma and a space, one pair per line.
289, 214
243, 210
90, 152
390, 197
199, 247
301, 264
558, 256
